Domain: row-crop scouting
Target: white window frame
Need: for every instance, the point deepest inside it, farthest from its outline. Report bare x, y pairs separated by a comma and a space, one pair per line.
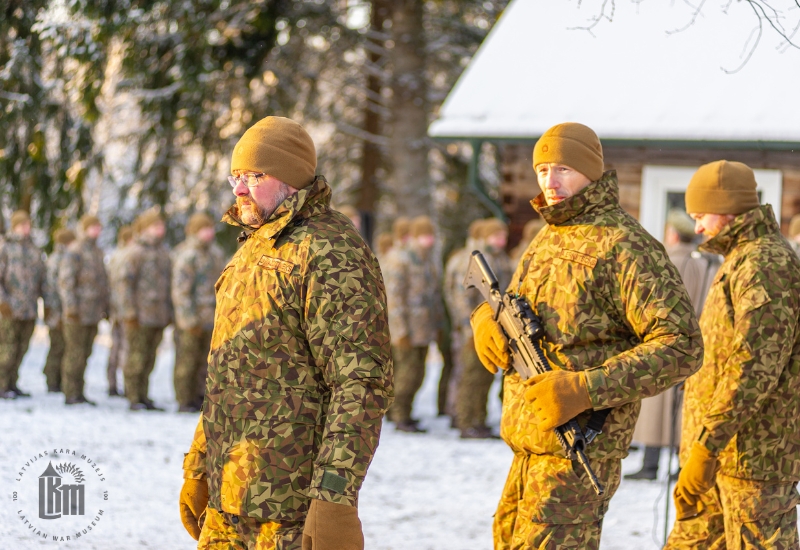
658, 181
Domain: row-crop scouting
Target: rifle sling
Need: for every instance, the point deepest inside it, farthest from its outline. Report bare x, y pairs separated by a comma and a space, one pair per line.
597, 420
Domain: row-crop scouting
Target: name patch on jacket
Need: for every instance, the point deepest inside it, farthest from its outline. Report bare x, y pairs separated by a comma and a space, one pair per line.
584, 259
275, 264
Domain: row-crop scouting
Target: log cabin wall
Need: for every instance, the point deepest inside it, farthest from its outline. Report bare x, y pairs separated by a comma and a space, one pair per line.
518, 181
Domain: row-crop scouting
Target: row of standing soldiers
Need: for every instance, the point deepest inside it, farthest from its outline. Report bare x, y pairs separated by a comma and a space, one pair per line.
142, 289
418, 290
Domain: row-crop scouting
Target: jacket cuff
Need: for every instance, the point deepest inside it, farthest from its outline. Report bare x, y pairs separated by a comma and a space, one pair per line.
339, 486
595, 380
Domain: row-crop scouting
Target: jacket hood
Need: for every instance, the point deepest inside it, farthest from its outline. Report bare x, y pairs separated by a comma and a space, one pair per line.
745, 227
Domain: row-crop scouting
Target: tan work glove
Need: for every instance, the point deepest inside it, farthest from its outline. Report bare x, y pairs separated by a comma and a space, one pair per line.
332, 526
5, 310
557, 397
490, 343
193, 503
697, 476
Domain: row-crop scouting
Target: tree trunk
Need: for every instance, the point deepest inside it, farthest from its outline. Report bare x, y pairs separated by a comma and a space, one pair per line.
409, 184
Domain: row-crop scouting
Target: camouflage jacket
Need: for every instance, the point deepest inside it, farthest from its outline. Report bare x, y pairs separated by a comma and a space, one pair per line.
22, 276
116, 280
145, 278
195, 269
83, 283
613, 306
300, 369
745, 401
413, 286
53, 315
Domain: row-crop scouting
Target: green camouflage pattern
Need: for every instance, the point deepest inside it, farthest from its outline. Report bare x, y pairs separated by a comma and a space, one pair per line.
195, 269
456, 297
22, 276
547, 503
83, 283
116, 280
53, 315
413, 287
613, 306
300, 368
409, 372
15, 335
745, 401
78, 340
55, 355
741, 514
191, 354
251, 533
142, 345
146, 271
472, 389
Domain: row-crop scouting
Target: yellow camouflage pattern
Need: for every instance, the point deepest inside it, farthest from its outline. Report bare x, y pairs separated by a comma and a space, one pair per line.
300, 369
745, 401
612, 305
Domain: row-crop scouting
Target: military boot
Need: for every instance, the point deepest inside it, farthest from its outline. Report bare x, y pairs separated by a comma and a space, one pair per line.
649, 469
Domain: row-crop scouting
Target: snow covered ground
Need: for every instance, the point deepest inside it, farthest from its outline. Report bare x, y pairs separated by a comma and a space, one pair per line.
430, 491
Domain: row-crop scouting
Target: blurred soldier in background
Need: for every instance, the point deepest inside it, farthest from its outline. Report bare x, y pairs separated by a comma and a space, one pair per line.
84, 293
116, 279
146, 305
460, 303
659, 420
475, 381
532, 227
794, 234
53, 314
415, 315
383, 244
22, 282
352, 214
196, 268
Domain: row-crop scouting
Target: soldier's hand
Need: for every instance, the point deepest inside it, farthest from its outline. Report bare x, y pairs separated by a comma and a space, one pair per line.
332, 526
5, 310
557, 397
697, 476
490, 343
193, 503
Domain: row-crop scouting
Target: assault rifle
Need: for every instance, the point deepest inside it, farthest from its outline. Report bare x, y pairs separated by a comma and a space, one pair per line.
523, 329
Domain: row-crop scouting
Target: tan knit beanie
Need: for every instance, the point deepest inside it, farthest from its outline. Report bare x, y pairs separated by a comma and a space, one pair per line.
573, 145
124, 235
146, 219
384, 242
198, 221
794, 226
475, 229
422, 225
400, 228
279, 147
722, 187
88, 220
491, 226
63, 236
19, 217
681, 222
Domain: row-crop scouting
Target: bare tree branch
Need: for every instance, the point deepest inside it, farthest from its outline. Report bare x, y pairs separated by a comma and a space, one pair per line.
594, 21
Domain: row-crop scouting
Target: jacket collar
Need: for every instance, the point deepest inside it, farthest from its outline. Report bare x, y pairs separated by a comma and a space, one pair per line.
305, 203
597, 197
745, 227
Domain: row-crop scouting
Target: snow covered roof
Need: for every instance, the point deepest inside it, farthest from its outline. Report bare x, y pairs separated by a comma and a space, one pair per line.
629, 79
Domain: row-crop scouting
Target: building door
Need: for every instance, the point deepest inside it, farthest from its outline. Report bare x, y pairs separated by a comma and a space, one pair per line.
663, 188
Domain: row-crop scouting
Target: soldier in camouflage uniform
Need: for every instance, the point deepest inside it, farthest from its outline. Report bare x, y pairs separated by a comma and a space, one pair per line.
146, 305
22, 281
460, 303
475, 381
740, 448
300, 365
53, 314
119, 346
532, 227
413, 285
195, 269
84, 294
618, 326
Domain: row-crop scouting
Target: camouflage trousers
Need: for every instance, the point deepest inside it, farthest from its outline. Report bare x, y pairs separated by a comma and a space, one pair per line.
457, 341
117, 353
78, 340
473, 389
55, 355
409, 372
547, 502
220, 533
15, 335
445, 345
142, 346
740, 514
191, 364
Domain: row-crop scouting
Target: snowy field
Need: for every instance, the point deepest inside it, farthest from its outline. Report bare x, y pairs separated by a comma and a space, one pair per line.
424, 491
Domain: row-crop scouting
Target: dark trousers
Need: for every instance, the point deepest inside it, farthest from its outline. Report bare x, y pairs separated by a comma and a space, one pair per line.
52, 366
191, 363
142, 346
15, 335
78, 340
409, 372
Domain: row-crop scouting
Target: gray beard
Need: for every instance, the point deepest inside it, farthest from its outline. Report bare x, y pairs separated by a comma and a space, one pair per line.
261, 214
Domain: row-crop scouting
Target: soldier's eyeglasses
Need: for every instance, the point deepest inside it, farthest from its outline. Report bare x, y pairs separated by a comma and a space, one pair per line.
250, 180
